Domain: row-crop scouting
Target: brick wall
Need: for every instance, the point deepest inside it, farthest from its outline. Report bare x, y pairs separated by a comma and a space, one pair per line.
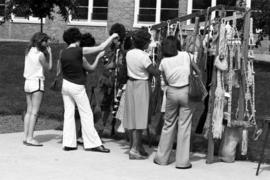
121, 11
55, 28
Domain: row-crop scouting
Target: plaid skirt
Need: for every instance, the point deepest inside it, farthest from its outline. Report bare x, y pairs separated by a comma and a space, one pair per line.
136, 104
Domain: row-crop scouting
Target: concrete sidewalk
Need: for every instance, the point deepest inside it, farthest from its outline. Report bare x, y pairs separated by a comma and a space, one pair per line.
50, 162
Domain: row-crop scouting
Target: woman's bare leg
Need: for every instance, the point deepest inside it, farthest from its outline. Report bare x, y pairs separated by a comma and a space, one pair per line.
36, 101
27, 115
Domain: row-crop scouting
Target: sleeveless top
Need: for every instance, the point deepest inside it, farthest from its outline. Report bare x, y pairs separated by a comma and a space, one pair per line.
72, 65
32, 66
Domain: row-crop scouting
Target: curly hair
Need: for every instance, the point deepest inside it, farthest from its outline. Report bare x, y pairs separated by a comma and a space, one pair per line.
72, 35
119, 29
87, 40
36, 41
140, 38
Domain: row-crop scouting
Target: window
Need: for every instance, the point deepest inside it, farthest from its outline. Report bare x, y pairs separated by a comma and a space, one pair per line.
2, 8
199, 5
169, 10
90, 12
196, 5
228, 3
149, 12
20, 18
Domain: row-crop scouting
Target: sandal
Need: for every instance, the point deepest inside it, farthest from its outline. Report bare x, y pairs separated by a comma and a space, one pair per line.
133, 155
34, 143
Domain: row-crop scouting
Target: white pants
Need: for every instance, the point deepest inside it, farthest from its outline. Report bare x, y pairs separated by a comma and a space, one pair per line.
74, 93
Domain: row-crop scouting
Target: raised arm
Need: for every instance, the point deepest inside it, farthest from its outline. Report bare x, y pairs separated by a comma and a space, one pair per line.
101, 47
46, 61
91, 67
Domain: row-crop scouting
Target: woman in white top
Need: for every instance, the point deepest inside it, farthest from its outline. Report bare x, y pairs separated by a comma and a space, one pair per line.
139, 66
38, 57
175, 67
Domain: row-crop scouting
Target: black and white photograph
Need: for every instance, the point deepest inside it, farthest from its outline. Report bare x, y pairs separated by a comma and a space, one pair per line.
134, 89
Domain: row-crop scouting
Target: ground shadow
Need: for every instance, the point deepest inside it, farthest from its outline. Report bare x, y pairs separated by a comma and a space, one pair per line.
47, 137
267, 168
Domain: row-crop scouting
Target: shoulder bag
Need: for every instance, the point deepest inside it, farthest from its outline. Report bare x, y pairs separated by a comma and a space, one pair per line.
197, 90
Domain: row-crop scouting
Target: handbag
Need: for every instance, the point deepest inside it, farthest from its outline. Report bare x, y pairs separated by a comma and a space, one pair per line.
56, 85
197, 90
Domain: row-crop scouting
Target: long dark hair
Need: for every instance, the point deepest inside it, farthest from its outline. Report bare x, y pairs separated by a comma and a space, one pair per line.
36, 41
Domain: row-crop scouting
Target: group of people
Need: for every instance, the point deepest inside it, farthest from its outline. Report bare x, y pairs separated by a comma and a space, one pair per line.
174, 68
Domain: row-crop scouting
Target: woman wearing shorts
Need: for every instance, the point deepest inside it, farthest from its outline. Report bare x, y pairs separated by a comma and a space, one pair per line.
38, 57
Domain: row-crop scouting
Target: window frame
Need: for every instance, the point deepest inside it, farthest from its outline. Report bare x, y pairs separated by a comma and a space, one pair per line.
25, 20
137, 24
213, 3
89, 21
2, 17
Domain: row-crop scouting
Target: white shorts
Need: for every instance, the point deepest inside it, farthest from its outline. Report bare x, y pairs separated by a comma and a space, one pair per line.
33, 85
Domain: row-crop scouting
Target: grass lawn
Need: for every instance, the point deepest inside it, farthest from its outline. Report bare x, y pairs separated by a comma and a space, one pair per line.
12, 97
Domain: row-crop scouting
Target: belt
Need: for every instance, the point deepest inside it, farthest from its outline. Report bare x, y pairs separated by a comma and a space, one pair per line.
132, 79
178, 87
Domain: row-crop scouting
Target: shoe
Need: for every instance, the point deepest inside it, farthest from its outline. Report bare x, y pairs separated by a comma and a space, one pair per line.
80, 141
187, 167
143, 152
136, 156
32, 144
99, 149
156, 162
66, 148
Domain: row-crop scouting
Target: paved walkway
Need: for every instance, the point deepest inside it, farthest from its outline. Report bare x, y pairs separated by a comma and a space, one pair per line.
50, 162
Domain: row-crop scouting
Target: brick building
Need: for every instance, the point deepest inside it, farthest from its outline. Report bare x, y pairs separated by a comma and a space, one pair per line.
96, 16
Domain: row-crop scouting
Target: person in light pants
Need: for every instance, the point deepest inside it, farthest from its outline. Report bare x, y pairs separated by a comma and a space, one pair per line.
73, 93
175, 68
74, 67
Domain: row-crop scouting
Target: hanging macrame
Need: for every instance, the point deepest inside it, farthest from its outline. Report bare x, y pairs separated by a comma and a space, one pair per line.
221, 65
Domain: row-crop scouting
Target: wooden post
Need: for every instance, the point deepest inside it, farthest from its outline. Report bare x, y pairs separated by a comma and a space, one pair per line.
241, 101
196, 30
41, 24
211, 144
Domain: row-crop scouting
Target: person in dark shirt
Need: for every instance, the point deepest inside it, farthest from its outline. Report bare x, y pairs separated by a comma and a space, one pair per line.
87, 40
74, 66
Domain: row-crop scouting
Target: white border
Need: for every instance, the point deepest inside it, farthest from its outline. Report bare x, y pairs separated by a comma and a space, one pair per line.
31, 20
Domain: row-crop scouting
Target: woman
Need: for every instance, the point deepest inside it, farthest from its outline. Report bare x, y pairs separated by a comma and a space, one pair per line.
87, 40
74, 68
38, 57
139, 66
175, 67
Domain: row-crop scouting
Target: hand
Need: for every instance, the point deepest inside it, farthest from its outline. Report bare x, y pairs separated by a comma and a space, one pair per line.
49, 50
115, 35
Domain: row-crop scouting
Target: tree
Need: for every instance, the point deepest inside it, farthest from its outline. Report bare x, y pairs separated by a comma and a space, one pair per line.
261, 15
39, 8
